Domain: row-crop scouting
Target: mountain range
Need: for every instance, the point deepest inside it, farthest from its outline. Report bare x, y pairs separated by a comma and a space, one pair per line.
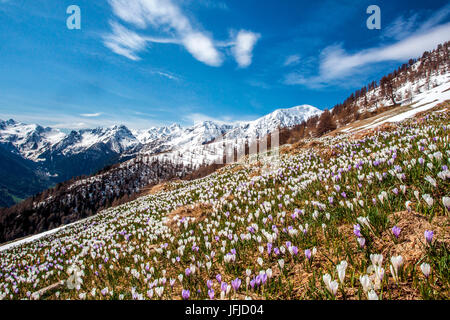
34, 158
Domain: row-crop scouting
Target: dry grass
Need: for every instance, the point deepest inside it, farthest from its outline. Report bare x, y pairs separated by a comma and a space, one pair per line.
199, 212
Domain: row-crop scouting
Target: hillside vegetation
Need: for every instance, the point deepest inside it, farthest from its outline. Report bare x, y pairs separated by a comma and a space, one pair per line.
347, 216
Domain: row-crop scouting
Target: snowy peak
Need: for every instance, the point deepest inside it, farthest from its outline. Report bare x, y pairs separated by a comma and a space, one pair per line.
29, 140
32, 141
118, 138
280, 118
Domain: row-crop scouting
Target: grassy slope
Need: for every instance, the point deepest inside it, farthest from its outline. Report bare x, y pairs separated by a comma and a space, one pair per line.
133, 250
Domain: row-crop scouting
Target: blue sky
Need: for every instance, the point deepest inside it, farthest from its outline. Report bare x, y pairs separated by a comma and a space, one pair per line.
146, 63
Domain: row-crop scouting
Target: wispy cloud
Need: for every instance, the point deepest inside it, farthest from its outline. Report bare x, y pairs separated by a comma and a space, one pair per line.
162, 15
196, 118
292, 60
133, 120
167, 17
124, 42
91, 115
400, 27
335, 63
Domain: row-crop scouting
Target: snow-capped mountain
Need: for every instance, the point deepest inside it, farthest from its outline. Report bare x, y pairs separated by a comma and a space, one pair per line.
56, 156
34, 142
30, 140
279, 118
118, 138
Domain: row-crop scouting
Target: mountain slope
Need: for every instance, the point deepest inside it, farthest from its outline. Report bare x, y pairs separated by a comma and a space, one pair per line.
343, 217
59, 157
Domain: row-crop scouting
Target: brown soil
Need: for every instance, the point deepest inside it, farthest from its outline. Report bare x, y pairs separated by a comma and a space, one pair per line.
199, 212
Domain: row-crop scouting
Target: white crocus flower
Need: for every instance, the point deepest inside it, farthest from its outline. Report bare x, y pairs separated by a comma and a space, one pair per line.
281, 263
365, 282
431, 181
426, 269
372, 295
341, 268
428, 199
396, 263
74, 281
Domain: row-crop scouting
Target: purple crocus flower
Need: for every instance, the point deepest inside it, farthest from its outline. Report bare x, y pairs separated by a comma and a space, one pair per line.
209, 284
236, 283
258, 280
223, 286
264, 278
357, 230
211, 294
429, 235
219, 278
343, 194
269, 248
188, 272
185, 294
395, 191
308, 254
396, 231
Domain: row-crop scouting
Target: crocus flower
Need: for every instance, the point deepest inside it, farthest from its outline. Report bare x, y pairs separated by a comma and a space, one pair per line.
428, 236
396, 231
269, 248
361, 241
308, 254
372, 295
236, 283
211, 294
357, 230
365, 282
223, 286
341, 267
426, 269
396, 263
446, 202
185, 294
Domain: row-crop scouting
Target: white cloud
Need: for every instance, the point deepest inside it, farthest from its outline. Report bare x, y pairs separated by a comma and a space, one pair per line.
196, 118
435, 18
91, 115
124, 42
202, 48
73, 122
336, 63
167, 17
400, 27
243, 47
292, 60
